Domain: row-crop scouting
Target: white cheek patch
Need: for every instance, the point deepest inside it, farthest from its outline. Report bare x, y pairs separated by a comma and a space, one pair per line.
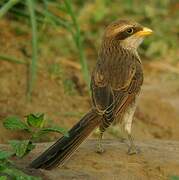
139, 41
132, 42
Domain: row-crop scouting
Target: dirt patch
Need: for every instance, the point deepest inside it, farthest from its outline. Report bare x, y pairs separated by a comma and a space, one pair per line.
158, 160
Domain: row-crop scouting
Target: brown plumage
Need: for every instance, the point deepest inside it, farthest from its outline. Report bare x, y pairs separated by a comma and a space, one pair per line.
115, 84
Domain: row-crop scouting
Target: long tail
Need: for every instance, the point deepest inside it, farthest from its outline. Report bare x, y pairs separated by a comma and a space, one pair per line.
60, 151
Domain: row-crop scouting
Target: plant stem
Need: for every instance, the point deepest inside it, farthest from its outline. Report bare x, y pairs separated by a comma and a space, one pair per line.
4, 9
33, 66
78, 41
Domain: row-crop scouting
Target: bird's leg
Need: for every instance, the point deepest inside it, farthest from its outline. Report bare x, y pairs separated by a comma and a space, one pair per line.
100, 148
133, 149
128, 117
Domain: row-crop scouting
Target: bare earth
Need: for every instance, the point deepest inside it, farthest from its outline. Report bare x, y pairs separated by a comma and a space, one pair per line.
158, 160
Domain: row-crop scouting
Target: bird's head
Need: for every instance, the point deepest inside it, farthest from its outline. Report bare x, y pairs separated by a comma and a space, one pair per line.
127, 34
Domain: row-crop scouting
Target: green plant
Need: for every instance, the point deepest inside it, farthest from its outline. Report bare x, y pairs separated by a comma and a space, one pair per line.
39, 13
78, 40
35, 125
8, 169
7, 6
33, 66
174, 177
12, 59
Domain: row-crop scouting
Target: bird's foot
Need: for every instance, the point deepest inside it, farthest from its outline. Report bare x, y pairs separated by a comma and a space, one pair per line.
100, 149
133, 150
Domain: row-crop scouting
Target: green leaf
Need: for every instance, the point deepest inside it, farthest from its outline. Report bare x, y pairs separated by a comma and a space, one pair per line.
39, 134
3, 164
174, 178
5, 154
36, 120
20, 148
30, 146
3, 178
17, 174
56, 129
14, 123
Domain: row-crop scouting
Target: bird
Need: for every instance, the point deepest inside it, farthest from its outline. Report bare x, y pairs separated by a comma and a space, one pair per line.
116, 82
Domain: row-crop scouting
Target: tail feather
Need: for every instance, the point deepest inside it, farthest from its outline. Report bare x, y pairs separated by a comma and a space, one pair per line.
59, 152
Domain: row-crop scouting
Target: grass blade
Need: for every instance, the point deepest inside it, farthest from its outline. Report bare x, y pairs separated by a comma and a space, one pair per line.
78, 40
11, 59
7, 6
33, 66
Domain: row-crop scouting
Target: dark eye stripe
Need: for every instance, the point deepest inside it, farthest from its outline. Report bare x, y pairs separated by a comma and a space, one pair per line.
123, 35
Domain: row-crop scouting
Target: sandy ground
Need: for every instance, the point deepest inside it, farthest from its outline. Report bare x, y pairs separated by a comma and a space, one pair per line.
158, 160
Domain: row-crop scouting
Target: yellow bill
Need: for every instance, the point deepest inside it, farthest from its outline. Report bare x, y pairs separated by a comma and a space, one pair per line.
144, 32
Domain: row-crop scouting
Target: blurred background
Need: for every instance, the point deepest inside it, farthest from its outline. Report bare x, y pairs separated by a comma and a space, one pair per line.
49, 47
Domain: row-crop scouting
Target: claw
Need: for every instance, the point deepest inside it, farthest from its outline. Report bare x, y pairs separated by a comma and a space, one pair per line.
133, 149
100, 149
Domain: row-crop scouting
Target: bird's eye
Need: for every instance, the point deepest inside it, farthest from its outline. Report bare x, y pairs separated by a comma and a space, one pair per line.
130, 30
